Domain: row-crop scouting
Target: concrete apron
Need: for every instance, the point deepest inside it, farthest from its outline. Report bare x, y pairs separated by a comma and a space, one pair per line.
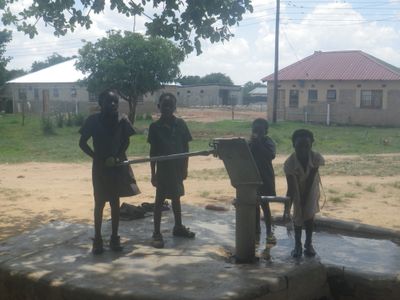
54, 262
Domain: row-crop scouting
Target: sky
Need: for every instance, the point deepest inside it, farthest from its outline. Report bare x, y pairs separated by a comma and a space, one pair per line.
305, 26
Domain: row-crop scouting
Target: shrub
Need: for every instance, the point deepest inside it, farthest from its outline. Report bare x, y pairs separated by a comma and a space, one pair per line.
79, 119
60, 120
70, 121
47, 126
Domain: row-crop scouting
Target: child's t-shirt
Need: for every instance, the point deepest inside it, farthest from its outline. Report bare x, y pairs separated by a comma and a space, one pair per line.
292, 167
264, 152
108, 137
166, 139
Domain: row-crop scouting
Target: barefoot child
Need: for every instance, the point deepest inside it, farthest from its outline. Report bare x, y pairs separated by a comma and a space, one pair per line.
168, 135
263, 149
301, 169
110, 135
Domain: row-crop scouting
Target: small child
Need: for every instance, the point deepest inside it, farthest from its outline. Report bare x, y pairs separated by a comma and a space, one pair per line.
301, 169
168, 135
110, 134
263, 149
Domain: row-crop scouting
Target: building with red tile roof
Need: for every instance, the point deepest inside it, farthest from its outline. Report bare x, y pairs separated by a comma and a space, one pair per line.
345, 87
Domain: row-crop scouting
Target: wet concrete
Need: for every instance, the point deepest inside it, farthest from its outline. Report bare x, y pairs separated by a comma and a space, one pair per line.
54, 262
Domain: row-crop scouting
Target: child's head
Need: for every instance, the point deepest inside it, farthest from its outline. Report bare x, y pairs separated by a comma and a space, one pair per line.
302, 140
259, 127
108, 101
167, 104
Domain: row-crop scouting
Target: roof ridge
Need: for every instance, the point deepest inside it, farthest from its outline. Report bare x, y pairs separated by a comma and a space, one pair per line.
395, 70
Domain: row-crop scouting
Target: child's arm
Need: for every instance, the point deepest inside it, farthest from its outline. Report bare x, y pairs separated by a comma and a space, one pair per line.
266, 147
85, 147
153, 167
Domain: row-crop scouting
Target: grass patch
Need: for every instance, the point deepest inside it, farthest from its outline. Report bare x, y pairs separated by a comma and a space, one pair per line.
204, 194
28, 143
332, 191
370, 188
395, 184
336, 199
350, 195
209, 174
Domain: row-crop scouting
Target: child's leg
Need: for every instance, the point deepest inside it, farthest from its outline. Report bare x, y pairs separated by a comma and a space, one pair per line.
114, 205
298, 250
98, 218
97, 247
308, 247
179, 229
267, 217
159, 200
268, 223
176, 208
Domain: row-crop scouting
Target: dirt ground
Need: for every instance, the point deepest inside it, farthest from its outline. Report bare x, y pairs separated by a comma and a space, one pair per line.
32, 194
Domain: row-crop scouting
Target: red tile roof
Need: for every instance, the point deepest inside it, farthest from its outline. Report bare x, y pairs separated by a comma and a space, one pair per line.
338, 65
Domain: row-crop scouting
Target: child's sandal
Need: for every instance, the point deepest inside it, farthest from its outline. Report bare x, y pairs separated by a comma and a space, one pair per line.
183, 231
115, 243
97, 246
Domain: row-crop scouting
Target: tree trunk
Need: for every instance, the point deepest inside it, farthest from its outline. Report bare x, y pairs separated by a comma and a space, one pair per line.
132, 109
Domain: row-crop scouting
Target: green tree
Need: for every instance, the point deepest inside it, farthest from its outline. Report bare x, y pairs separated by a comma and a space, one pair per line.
216, 78
185, 21
53, 59
189, 80
130, 63
5, 37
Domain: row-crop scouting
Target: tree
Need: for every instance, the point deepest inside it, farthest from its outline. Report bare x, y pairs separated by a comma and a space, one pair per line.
5, 37
185, 21
216, 78
189, 80
130, 63
53, 59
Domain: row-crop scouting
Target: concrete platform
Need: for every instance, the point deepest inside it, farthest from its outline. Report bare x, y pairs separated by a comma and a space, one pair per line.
54, 262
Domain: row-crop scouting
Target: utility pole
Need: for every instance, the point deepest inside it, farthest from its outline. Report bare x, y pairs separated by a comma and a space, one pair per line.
274, 109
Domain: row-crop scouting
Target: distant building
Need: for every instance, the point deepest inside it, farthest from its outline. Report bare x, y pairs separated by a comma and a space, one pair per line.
344, 87
258, 94
57, 89
209, 95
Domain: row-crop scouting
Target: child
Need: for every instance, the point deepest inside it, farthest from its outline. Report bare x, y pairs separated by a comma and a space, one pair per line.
263, 149
168, 135
110, 134
301, 169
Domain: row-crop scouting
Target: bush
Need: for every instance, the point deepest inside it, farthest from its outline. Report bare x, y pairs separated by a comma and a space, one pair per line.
47, 126
60, 120
148, 117
79, 119
70, 121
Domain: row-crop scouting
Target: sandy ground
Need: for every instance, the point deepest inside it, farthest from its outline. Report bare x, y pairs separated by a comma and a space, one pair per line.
32, 194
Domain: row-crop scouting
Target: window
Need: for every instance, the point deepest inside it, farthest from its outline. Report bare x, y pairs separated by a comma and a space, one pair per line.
73, 92
371, 99
22, 94
294, 98
36, 93
331, 95
56, 93
312, 96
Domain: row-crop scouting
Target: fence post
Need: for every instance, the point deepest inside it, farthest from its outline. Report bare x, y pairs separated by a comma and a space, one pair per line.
328, 115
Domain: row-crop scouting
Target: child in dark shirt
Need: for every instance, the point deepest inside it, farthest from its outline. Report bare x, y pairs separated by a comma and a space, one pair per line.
168, 135
110, 134
263, 149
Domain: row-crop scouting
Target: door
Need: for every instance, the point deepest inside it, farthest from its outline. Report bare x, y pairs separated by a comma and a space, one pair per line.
45, 101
